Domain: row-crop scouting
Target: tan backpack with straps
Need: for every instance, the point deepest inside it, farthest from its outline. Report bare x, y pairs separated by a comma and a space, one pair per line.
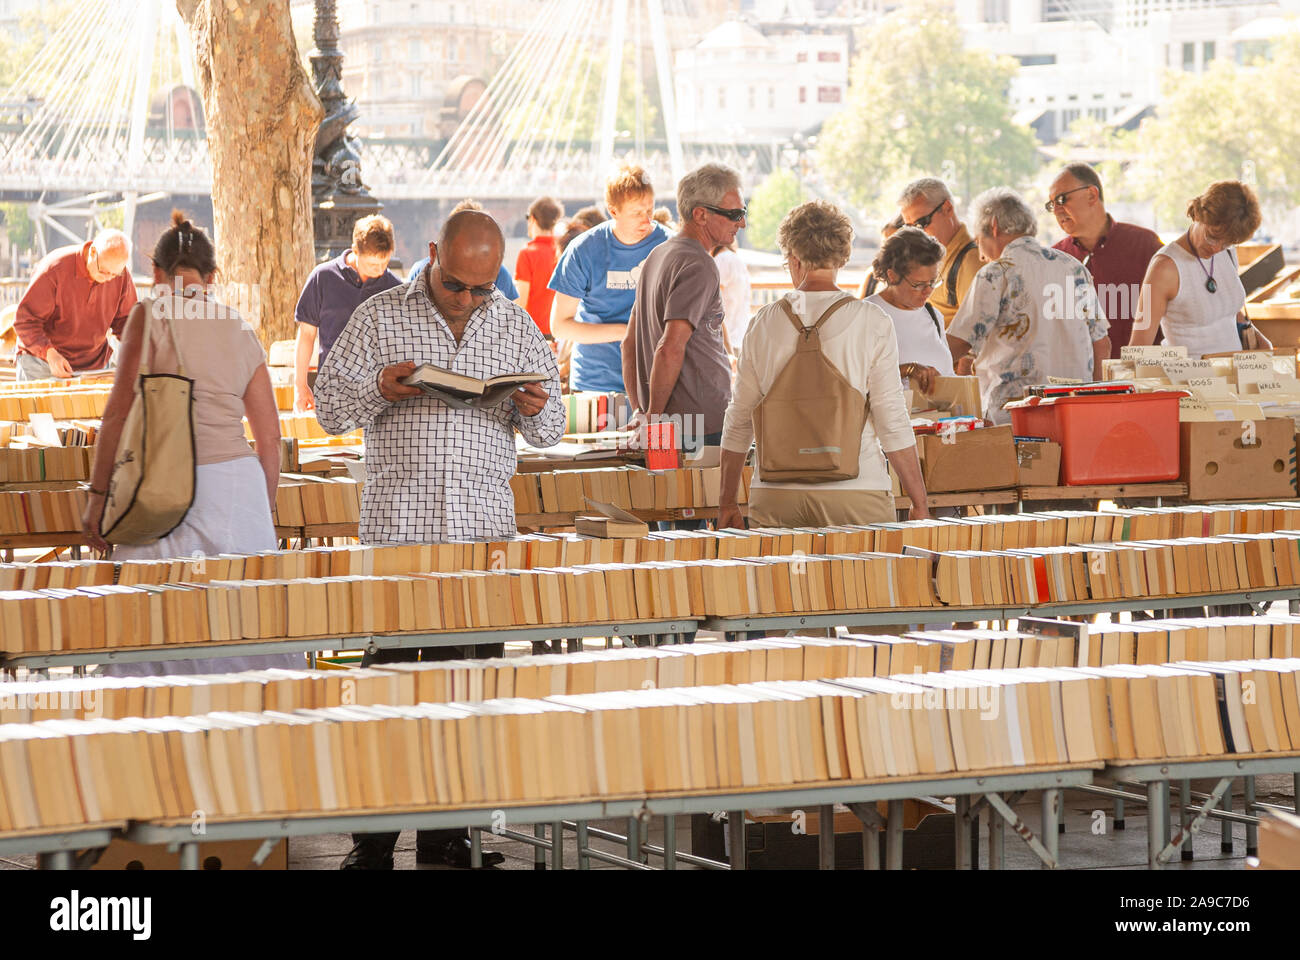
809, 424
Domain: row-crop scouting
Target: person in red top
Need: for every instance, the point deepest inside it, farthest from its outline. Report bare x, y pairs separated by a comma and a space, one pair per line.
1115, 253
76, 296
536, 262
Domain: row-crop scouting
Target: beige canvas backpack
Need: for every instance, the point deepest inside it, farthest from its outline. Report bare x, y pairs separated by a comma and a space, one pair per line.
809, 424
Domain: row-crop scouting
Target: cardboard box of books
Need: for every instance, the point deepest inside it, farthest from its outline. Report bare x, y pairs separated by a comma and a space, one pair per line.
950, 397
1039, 462
969, 460
1245, 459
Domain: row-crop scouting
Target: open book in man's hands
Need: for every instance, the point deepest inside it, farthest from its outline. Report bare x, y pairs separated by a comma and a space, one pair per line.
458, 390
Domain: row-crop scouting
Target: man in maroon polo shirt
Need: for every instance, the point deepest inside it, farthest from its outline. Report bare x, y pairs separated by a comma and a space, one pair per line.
1115, 253
77, 294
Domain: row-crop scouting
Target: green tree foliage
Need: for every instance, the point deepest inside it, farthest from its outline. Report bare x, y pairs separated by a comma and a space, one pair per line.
36, 28
921, 105
1228, 123
19, 226
776, 196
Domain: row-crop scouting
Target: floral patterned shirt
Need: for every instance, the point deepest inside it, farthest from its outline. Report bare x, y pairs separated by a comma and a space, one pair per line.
1030, 315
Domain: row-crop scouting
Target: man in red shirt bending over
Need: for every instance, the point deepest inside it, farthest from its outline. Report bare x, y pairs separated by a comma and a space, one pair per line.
77, 295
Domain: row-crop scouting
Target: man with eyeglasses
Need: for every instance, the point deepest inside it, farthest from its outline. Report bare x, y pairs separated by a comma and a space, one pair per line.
434, 472
675, 363
77, 296
926, 203
1116, 254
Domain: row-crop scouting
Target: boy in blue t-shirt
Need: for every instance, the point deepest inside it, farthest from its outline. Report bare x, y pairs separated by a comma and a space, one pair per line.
595, 281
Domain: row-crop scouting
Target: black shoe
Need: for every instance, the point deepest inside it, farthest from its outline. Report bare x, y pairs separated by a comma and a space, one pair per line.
368, 855
453, 853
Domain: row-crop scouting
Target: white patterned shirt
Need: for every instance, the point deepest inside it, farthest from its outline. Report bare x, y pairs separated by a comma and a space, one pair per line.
433, 472
1030, 315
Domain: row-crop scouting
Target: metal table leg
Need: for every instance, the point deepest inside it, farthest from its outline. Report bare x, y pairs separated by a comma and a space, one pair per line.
634, 839
189, 856
475, 849
894, 836
584, 861
1167, 791
1184, 804
736, 831
1295, 783
539, 854
1051, 838
1225, 826
56, 860
826, 837
1119, 814
1252, 830
869, 815
997, 842
961, 834
670, 842
557, 845
1156, 813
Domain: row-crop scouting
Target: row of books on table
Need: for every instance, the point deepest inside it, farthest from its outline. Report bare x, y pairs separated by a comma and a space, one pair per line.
117, 615
677, 665
529, 551
635, 743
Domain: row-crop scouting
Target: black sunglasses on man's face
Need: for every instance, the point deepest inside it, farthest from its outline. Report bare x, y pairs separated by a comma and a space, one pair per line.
455, 286
924, 222
734, 215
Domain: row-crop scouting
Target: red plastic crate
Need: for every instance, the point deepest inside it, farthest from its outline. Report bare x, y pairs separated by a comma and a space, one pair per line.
1129, 438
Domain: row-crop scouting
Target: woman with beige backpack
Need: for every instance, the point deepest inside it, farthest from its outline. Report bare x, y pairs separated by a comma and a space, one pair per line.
818, 387
208, 493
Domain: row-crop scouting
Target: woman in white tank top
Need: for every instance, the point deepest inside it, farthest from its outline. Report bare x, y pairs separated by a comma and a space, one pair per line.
1191, 288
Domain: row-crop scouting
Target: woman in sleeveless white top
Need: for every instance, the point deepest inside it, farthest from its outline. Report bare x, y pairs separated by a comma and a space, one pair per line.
1195, 318
231, 512
1191, 287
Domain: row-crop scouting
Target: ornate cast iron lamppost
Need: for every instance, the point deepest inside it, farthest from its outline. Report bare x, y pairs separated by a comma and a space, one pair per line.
338, 195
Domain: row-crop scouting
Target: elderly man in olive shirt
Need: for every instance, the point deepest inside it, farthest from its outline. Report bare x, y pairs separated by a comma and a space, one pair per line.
77, 295
675, 364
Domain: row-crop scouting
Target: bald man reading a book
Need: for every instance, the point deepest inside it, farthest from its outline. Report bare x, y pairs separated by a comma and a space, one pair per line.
439, 452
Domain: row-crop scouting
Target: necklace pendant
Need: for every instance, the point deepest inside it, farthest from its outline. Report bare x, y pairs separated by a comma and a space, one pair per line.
1211, 285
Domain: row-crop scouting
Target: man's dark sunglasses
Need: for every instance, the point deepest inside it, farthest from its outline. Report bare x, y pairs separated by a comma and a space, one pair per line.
455, 286
924, 222
734, 215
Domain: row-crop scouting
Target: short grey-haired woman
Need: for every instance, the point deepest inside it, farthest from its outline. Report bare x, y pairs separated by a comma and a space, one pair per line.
858, 340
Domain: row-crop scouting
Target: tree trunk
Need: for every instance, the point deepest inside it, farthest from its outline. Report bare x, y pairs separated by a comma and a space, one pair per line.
262, 115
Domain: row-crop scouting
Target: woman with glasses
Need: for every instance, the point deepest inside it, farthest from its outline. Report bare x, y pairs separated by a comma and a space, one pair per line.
908, 266
1191, 290
858, 340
